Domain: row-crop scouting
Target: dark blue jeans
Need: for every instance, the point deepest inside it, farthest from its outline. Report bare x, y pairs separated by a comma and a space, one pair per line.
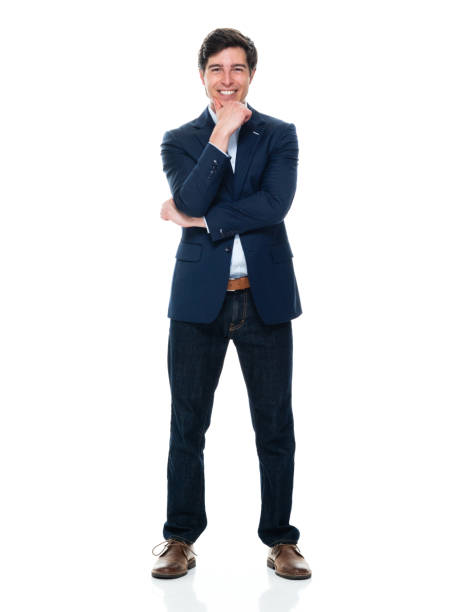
196, 353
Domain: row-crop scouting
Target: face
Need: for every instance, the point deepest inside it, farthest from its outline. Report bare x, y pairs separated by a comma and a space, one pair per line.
227, 71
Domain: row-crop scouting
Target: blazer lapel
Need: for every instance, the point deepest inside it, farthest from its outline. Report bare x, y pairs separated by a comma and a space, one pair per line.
250, 136
203, 127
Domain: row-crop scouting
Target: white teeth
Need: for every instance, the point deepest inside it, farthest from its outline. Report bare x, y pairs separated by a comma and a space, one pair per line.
227, 92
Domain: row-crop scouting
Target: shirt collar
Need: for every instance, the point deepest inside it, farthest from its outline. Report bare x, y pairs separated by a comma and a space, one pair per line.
215, 118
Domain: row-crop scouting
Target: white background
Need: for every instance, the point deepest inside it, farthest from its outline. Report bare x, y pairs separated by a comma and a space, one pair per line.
380, 93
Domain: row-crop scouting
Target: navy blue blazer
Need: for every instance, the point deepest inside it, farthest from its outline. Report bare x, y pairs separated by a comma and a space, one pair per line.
252, 202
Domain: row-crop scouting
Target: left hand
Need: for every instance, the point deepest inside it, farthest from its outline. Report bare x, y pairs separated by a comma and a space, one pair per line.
169, 212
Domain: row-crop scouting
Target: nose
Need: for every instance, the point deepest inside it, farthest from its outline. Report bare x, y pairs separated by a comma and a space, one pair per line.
226, 78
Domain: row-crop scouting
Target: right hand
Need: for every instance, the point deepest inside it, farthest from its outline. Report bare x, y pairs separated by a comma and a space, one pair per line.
231, 115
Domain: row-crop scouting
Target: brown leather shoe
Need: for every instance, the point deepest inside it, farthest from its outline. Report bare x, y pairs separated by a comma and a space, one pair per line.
288, 562
174, 560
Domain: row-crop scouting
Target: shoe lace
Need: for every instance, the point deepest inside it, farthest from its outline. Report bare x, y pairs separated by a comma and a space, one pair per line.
172, 542
278, 547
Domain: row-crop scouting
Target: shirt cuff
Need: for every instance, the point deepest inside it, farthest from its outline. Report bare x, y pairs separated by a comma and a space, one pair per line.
214, 145
206, 220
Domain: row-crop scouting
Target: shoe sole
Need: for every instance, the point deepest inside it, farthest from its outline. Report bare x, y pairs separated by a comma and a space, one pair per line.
190, 565
289, 576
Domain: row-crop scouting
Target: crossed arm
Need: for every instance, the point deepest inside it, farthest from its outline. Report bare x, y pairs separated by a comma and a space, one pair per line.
170, 212
194, 188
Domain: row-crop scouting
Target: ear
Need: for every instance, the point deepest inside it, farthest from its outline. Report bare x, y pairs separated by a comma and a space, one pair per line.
201, 77
252, 75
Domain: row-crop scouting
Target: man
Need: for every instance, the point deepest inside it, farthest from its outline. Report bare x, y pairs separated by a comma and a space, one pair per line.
232, 173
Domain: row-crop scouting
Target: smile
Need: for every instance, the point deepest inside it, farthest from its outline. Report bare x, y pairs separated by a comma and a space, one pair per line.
227, 92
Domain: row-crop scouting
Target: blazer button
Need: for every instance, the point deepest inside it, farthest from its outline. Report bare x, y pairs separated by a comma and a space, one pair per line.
221, 230
227, 249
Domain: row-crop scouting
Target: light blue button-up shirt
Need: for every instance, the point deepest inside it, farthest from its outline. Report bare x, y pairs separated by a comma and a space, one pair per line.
238, 261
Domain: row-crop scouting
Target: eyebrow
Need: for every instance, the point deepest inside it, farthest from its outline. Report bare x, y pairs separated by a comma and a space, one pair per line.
232, 65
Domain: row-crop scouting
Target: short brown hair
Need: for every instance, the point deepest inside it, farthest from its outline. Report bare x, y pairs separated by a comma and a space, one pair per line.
220, 39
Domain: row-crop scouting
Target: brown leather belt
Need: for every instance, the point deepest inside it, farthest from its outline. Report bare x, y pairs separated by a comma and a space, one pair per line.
238, 283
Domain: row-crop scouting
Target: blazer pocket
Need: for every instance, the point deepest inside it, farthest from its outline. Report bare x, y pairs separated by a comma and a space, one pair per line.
281, 252
189, 251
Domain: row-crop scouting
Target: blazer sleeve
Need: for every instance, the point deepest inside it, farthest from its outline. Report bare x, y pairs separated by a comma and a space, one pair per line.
193, 184
267, 206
